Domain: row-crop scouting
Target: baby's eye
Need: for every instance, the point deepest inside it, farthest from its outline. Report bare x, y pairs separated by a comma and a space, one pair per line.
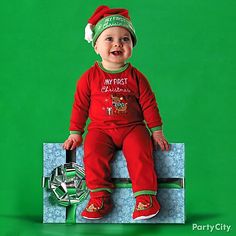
109, 39
125, 39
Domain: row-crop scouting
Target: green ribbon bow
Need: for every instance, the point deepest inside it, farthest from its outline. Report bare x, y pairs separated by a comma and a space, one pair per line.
67, 183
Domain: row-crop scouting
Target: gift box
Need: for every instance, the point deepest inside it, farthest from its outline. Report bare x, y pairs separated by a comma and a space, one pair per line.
65, 194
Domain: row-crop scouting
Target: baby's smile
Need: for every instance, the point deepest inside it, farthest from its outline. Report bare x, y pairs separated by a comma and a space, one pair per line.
116, 52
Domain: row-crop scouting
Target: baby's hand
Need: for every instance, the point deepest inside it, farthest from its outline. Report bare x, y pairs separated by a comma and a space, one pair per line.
73, 141
160, 140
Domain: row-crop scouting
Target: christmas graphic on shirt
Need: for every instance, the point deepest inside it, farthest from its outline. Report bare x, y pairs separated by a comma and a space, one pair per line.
116, 104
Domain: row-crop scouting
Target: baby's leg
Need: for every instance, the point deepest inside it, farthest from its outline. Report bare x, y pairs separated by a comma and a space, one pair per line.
98, 152
138, 151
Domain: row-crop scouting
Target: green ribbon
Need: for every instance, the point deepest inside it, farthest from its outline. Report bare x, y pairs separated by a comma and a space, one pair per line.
71, 214
68, 186
173, 183
161, 185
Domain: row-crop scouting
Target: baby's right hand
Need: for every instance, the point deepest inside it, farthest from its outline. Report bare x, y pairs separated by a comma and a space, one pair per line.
73, 141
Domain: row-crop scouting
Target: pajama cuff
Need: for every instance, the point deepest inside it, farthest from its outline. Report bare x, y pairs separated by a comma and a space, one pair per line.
76, 132
156, 128
145, 192
101, 189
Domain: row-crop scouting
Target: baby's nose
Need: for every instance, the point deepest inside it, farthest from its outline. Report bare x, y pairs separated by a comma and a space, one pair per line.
117, 43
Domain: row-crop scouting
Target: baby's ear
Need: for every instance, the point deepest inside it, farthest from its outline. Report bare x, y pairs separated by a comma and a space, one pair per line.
96, 49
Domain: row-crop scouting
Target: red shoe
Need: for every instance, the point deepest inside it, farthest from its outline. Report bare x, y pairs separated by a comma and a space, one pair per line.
146, 207
97, 208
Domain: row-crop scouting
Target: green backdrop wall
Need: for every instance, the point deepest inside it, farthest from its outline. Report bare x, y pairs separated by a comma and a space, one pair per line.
187, 50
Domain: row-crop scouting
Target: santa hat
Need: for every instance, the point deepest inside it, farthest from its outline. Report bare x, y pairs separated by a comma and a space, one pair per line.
105, 17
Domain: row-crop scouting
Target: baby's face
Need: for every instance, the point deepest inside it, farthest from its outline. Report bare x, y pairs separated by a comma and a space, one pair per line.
114, 46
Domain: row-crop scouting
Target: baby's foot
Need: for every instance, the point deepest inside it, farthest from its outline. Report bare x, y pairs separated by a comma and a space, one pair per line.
97, 208
146, 207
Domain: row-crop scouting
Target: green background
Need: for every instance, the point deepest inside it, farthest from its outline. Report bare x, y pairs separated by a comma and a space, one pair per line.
187, 50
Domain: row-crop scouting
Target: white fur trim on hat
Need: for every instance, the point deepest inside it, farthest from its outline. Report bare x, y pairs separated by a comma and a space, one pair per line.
89, 33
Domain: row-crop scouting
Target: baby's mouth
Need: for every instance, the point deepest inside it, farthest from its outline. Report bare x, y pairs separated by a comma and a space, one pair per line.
116, 53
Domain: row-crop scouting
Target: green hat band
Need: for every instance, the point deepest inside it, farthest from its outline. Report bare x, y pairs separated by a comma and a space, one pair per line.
113, 21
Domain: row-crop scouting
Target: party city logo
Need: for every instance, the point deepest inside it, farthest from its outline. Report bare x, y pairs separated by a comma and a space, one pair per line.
211, 228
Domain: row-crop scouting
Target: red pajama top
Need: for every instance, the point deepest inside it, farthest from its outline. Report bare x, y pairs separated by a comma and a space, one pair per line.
113, 99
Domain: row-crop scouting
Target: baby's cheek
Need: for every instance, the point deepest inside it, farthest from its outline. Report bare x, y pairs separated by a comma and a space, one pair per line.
130, 52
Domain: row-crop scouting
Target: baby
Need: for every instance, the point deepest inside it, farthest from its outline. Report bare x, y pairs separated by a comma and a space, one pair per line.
120, 103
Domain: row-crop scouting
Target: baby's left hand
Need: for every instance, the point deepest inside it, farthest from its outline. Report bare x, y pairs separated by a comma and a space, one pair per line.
160, 140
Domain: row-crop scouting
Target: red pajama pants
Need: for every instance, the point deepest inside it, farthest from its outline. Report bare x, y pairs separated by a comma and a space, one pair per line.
136, 144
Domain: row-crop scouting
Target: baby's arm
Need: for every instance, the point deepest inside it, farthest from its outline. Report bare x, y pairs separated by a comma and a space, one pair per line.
73, 141
151, 114
79, 113
159, 139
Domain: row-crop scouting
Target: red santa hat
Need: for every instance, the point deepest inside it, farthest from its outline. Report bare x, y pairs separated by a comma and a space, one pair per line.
105, 17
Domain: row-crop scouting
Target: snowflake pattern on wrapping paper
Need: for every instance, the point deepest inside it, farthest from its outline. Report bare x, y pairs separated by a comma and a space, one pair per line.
168, 165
